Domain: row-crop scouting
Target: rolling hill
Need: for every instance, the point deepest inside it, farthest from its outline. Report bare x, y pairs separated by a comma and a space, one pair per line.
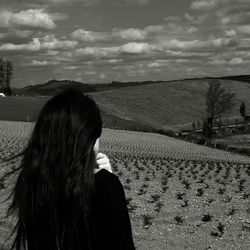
169, 104
53, 87
162, 106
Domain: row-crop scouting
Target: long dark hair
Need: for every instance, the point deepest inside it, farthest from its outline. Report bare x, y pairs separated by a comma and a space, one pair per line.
52, 194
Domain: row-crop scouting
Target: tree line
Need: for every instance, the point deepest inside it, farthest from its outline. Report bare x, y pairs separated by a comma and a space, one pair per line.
6, 74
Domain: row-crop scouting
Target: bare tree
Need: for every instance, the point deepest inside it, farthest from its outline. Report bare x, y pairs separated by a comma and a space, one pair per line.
243, 113
218, 103
6, 73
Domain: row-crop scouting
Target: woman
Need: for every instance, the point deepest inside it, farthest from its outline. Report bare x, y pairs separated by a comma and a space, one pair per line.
64, 197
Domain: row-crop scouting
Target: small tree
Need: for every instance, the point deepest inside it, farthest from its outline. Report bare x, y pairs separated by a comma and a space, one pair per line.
243, 110
6, 73
218, 102
243, 113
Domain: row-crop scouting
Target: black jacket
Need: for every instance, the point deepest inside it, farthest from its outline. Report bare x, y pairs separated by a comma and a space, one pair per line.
109, 220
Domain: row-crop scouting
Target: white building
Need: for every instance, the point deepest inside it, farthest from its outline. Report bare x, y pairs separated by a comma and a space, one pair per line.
2, 94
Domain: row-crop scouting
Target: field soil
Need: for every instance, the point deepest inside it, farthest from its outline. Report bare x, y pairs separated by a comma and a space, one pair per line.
179, 195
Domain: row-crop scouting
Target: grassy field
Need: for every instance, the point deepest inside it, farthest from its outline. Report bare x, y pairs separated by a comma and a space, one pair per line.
167, 105
28, 108
179, 195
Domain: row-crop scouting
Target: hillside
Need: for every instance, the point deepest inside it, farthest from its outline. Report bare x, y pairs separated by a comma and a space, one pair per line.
52, 87
165, 105
240, 78
168, 104
177, 192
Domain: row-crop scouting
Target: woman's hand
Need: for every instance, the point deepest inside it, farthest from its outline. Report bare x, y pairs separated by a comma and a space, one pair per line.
103, 163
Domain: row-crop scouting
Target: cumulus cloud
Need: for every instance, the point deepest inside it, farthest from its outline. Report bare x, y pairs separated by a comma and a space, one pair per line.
42, 63
15, 36
236, 60
154, 65
233, 61
244, 29
130, 34
137, 34
215, 34
49, 42
133, 34
136, 48
97, 52
172, 49
226, 12
188, 17
230, 32
236, 18
204, 4
179, 26
70, 67
215, 43
32, 46
32, 18
89, 36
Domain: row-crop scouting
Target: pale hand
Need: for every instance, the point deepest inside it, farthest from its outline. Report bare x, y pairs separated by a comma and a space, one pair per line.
103, 163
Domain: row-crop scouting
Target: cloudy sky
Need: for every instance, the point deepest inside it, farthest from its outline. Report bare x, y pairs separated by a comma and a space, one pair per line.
124, 40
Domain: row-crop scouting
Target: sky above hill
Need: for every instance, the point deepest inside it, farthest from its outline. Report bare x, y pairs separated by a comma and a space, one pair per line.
124, 40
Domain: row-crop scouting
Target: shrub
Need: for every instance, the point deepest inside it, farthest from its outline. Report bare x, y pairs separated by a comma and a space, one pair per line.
164, 189
206, 217
221, 190
155, 197
147, 220
179, 220
185, 203
159, 205
179, 196
221, 228
199, 192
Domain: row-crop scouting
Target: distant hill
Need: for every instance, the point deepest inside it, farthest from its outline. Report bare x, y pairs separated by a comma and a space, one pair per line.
52, 87
240, 78
168, 105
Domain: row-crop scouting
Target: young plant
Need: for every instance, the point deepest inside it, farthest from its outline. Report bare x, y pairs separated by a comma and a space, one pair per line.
120, 173
164, 189
128, 180
221, 190
155, 197
147, 220
142, 191
185, 203
206, 217
231, 211
179, 196
128, 200
186, 184
159, 205
199, 192
179, 220
221, 228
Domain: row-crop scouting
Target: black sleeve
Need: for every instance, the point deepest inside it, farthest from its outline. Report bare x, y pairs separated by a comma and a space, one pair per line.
119, 204
118, 232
